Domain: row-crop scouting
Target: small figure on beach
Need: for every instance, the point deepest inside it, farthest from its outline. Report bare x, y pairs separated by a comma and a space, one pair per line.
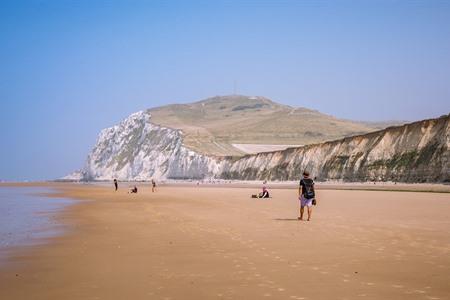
134, 190
153, 186
116, 185
306, 195
264, 193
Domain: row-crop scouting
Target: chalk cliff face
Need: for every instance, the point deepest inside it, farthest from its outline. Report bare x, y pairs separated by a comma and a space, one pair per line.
416, 152
136, 149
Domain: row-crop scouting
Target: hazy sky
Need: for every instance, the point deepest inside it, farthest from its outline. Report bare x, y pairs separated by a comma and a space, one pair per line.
70, 68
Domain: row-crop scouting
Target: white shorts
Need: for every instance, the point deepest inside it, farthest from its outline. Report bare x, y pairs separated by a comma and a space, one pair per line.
305, 202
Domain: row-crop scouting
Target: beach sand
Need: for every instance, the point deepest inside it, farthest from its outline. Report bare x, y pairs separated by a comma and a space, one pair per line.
189, 242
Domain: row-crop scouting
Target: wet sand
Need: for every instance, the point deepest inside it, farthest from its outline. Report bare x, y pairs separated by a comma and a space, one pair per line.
189, 242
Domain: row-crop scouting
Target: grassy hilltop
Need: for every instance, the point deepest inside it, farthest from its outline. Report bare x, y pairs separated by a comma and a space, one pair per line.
213, 125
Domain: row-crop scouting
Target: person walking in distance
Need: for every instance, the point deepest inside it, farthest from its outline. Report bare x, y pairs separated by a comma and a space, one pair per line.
306, 195
116, 185
153, 186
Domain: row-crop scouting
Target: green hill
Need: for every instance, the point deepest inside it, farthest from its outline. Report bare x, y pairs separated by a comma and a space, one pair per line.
213, 125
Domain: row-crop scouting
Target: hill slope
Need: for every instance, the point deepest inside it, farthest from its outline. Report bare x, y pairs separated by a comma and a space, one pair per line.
137, 149
213, 125
414, 152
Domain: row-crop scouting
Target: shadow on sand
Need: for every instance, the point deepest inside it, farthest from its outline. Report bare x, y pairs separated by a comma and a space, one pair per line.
279, 219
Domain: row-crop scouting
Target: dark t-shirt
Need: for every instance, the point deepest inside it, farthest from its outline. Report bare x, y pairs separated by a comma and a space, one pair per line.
303, 185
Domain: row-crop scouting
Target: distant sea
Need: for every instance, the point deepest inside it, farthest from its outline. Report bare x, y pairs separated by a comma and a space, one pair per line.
27, 218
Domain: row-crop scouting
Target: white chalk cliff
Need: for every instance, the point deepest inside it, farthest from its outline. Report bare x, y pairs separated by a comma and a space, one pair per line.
136, 149
415, 152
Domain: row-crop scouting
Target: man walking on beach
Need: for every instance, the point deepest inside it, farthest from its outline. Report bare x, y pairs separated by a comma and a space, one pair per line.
153, 186
116, 185
306, 195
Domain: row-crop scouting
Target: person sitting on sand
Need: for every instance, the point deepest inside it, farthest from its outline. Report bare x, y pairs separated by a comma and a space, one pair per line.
264, 193
306, 195
134, 190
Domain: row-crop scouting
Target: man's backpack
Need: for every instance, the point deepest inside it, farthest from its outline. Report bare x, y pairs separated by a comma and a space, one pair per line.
308, 193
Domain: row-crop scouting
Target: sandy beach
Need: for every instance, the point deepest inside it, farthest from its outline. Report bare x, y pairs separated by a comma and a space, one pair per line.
189, 242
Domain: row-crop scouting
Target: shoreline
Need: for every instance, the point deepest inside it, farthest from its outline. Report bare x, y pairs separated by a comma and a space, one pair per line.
184, 242
29, 218
356, 186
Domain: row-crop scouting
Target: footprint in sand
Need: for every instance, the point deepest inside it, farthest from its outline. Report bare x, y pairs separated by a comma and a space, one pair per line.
397, 286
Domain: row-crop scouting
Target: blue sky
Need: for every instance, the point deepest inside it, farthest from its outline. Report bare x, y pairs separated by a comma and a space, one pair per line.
70, 68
